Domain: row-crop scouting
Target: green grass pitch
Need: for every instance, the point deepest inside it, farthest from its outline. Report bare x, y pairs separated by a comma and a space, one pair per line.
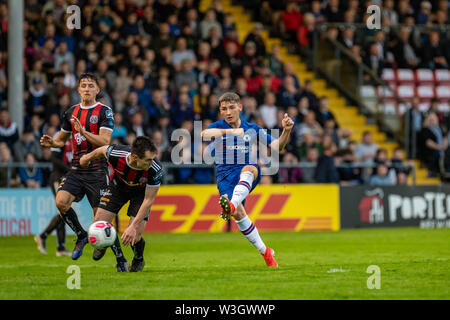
414, 264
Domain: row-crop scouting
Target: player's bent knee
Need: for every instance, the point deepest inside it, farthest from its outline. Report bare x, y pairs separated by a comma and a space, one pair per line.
62, 205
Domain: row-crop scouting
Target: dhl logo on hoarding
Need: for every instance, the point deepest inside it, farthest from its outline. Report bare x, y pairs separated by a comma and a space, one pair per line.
189, 208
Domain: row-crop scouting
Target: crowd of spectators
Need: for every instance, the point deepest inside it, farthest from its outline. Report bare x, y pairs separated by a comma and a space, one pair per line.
398, 44
161, 65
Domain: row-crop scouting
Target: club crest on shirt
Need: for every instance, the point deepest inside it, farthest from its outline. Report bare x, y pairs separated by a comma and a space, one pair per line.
94, 119
143, 181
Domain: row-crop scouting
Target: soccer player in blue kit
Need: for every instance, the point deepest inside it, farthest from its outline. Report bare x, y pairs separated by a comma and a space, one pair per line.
236, 173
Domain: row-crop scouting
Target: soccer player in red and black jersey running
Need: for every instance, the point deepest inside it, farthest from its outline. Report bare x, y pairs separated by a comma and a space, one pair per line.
137, 177
90, 124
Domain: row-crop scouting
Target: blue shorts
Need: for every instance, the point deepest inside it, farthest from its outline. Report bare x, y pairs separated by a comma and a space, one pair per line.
227, 183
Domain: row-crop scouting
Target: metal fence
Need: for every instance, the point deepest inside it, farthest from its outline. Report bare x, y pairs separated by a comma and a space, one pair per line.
335, 62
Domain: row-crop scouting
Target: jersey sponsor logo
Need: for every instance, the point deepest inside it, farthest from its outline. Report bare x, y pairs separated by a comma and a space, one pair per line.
238, 147
94, 119
109, 114
79, 138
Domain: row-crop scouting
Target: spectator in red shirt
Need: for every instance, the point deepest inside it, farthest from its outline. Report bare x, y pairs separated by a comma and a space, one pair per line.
292, 20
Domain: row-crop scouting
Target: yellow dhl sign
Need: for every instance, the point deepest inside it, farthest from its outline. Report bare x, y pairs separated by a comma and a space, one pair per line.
190, 208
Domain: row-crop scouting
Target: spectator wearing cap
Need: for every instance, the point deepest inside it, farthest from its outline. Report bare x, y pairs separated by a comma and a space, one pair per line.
27, 144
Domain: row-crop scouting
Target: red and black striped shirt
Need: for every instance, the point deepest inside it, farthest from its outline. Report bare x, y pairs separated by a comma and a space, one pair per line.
127, 176
92, 118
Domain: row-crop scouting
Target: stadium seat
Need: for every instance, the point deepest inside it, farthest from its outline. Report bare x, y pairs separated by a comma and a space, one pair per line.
443, 93
423, 107
368, 92
424, 76
405, 76
425, 93
442, 76
444, 107
388, 75
406, 92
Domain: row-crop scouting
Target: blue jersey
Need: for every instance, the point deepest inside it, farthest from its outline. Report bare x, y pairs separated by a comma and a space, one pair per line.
232, 153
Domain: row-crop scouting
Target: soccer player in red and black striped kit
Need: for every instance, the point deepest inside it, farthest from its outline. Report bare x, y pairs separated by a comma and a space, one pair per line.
137, 177
90, 124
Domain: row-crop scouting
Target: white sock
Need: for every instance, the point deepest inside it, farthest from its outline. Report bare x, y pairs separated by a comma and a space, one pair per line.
243, 188
249, 230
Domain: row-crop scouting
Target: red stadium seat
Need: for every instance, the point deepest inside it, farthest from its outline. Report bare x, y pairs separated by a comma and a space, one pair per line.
444, 107
443, 93
388, 75
405, 76
442, 76
424, 76
425, 93
423, 107
406, 92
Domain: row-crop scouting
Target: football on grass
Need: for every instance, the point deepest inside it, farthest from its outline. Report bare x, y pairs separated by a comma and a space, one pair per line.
101, 234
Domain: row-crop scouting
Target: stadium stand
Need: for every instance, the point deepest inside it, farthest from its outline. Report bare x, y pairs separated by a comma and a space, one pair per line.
163, 64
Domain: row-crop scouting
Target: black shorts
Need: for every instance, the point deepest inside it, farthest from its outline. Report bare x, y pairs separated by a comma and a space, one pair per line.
91, 184
115, 197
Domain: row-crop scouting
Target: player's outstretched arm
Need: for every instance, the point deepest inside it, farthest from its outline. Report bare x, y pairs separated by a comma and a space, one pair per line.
96, 154
207, 134
130, 235
283, 140
58, 142
102, 139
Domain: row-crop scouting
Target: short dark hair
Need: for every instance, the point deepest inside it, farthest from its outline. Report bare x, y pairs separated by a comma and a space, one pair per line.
229, 97
141, 145
89, 76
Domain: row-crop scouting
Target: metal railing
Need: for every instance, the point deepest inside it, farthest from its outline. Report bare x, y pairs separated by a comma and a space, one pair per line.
335, 62
168, 167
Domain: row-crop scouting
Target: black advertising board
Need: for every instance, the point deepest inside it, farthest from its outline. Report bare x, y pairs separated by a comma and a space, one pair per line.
396, 206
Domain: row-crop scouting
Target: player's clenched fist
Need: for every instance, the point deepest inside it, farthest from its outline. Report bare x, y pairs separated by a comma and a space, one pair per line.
46, 141
84, 161
287, 122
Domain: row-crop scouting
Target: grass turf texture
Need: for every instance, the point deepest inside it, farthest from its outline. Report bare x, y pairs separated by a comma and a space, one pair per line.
414, 263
